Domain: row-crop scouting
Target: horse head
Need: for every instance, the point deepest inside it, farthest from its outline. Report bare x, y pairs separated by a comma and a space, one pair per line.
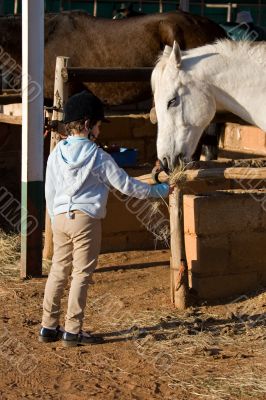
184, 107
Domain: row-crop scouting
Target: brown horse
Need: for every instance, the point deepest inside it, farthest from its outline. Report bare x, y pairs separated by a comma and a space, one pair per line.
97, 42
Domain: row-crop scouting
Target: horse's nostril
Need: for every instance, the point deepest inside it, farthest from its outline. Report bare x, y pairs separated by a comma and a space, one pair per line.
165, 164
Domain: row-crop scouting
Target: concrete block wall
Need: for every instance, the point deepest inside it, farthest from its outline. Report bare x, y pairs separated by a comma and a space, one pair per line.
243, 139
225, 238
129, 225
122, 229
134, 131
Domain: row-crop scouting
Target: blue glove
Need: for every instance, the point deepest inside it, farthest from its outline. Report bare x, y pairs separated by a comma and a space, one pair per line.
160, 190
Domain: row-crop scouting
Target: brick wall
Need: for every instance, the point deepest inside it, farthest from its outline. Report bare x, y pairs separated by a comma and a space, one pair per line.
225, 237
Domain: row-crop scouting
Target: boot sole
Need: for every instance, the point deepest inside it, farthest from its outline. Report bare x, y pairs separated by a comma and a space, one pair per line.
70, 343
44, 339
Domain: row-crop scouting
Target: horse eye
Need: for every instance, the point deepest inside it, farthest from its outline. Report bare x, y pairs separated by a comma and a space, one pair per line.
173, 102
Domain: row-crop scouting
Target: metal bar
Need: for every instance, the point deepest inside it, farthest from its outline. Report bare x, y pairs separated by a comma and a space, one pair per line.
95, 6
76, 74
15, 7
228, 5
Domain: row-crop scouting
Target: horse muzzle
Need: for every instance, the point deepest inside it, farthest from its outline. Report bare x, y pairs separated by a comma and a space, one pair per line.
168, 164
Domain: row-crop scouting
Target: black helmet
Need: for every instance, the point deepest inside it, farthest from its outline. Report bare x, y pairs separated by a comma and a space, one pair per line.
83, 105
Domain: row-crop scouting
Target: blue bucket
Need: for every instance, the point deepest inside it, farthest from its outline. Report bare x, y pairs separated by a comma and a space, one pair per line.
125, 157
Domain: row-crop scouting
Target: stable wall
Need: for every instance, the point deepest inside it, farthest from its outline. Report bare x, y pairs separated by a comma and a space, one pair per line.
134, 131
124, 228
246, 141
225, 238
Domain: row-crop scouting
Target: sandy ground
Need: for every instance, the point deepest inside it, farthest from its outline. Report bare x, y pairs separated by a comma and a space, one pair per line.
152, 351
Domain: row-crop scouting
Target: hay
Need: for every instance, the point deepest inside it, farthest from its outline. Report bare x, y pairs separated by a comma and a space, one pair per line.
178, 174
9, 253
179, 344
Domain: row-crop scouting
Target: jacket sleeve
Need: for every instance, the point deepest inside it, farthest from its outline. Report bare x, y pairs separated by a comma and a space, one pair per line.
50, 188
120, 180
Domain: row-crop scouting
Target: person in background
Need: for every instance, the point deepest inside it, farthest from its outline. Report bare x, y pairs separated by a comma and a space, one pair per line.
244, 28
79, 176
126, 11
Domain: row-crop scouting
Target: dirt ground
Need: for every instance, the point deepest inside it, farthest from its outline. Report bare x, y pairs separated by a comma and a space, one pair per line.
151, 350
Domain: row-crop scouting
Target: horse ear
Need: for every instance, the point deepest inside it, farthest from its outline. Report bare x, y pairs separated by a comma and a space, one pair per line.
176, 55
167, 51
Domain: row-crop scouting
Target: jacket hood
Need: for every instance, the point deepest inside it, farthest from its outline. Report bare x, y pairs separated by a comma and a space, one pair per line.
75, 158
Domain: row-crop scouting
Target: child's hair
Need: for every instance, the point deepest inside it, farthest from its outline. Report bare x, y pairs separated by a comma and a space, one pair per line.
79, 125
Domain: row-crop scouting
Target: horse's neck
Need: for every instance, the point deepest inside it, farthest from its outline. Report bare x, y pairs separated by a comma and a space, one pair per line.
239, 86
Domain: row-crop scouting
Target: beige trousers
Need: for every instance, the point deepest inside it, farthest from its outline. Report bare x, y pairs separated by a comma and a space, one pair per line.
77, 244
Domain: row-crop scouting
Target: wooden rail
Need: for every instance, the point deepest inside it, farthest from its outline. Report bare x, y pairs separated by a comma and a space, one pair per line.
238, 173
6, 99
75, 74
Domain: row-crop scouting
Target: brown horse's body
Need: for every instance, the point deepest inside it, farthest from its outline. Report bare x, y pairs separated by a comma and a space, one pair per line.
95, 42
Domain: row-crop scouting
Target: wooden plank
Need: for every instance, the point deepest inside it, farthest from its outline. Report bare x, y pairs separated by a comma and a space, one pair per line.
76, 74
10, 119
10, 99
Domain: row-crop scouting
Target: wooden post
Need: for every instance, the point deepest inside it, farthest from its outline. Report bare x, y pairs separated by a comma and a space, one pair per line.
178, 265
32, 138
60, 97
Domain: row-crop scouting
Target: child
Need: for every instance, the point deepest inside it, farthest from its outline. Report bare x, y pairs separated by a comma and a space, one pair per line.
78, 179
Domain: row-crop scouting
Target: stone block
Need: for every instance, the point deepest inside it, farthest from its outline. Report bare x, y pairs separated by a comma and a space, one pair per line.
214, 287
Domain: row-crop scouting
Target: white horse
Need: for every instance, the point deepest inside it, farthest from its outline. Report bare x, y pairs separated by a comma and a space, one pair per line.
189, 88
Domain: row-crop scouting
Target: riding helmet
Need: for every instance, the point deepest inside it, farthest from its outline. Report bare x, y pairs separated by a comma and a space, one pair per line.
83, 105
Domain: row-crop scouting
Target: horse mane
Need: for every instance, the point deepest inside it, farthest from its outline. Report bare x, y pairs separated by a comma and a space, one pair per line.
227, 48
160, 65
242, 48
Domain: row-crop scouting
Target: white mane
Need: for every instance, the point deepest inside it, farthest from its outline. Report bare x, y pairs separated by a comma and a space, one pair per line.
245, 50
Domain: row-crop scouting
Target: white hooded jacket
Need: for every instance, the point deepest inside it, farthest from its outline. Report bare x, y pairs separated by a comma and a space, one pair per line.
79, 176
